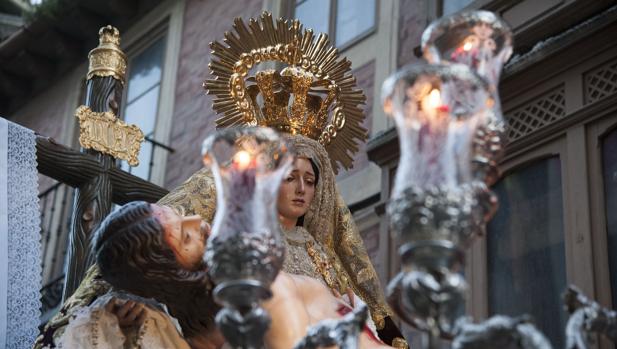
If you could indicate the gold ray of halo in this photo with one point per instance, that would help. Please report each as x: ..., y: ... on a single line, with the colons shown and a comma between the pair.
x: 285, y: 41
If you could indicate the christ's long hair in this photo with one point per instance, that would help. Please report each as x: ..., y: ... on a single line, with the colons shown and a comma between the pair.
x: 132, y: 255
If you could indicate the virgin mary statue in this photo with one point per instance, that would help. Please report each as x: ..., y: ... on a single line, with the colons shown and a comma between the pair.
x: 314, y: 100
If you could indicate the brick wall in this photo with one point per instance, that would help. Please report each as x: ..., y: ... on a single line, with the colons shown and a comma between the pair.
x: 412, y: 21
x: 365, y: 77
x: 47, y: 112
x: 193, y: 119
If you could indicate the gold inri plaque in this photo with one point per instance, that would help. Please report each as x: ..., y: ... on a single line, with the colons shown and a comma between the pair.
x: 105, y: 133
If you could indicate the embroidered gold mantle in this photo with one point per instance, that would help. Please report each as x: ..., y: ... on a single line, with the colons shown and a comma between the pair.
x: 307, y: 257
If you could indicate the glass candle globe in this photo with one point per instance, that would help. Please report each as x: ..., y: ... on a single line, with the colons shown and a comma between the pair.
x: 437, y: 110
x: 245, y: 250
x: 478, y: 39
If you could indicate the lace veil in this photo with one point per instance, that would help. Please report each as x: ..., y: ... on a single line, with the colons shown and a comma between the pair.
x: 331, y: 223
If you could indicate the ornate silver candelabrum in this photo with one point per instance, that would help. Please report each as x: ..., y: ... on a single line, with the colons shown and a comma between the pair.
x: 450, y: 127
x: 437, y: 204
x: 245, y: 250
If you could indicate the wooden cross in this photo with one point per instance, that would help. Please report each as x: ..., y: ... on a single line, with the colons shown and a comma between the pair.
x: 94, y: 173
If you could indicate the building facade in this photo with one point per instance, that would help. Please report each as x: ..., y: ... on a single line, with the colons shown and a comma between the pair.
x: 559, y: 184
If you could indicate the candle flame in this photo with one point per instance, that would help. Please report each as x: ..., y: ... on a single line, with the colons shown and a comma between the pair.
x: 467, y: 46
x: 434, y: 98
x: 242, y: 159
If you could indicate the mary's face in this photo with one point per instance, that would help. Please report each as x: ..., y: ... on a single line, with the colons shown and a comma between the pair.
x: 297, y: 190
x: 186, y: 236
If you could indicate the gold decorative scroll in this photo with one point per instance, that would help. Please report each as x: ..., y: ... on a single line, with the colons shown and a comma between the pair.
x: 105, y: 133
x: 107, y: 59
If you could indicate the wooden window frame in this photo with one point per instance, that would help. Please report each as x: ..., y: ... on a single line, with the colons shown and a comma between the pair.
x: 158, y: 32
x: 596, y: 131
x: 476, y: 268
x: 165, y: 20
x: 578, y: 147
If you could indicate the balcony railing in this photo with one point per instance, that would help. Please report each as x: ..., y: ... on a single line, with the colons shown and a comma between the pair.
x: 51, y: 296
x: 56, y: 205
x: 153, y: 148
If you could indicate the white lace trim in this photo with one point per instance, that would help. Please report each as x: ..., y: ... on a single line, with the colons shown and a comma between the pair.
x: 4, y: 228
x: 24, y: 248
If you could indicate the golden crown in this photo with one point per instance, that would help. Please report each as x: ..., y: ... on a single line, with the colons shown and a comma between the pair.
x: 314, y: 95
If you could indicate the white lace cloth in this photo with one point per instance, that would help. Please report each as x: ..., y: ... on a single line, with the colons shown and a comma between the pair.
x: 95, y: 327
x: 20, y: 249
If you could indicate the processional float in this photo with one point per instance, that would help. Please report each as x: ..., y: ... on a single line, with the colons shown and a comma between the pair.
x: 451, y: 135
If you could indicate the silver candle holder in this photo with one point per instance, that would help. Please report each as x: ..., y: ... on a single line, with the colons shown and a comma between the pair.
x: 438, y: 206
x: 245, y: 250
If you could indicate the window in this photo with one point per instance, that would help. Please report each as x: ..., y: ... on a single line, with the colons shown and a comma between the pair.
x: 609, y: 169
x: 450, y: 6
x: 345, y: 21
x: 142, y: 100
x: 152, y: 46
x: 526, y: 248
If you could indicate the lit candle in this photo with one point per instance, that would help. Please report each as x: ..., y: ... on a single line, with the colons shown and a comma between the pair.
x: 432, y: 105
x: 434, y: 98
x: 242, y: 177
x: 242, y: 160
x: 467, y: 52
